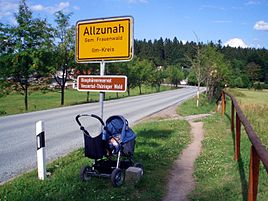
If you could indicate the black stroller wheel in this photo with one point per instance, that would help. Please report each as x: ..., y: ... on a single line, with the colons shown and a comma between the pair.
x: 85, y: 173
x: 117, y: 177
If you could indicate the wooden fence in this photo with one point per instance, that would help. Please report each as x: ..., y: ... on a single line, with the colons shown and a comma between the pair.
x: 258, y: 152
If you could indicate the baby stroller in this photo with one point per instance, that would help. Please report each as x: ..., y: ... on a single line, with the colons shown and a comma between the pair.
x: 112, y: 150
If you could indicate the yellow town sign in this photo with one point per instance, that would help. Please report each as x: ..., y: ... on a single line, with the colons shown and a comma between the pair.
x: 109, y: 39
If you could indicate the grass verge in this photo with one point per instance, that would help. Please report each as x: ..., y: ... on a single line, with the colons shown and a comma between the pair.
x: 158, y: 145
x: 38, y: 100
x: 217, y: 175
x: 189, y: 107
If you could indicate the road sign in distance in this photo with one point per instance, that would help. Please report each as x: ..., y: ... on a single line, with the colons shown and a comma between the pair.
x: 109, y: 39
x: 102, y: 83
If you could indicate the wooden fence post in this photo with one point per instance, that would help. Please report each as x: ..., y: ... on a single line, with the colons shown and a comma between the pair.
x: 254, y: 169
x: 232, y: 117
x: 237, y: 137
x: 222, y: 103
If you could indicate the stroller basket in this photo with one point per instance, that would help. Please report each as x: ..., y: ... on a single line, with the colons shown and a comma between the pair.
x: 94, y: 147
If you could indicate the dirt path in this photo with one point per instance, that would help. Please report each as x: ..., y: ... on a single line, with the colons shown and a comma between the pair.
x: 181, y: 181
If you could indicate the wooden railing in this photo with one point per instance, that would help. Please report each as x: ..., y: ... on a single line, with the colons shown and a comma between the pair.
x: 258, y: 151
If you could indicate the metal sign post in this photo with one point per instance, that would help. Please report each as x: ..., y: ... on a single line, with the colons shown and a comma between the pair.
x: 104, y: 40
x: 102, y: 94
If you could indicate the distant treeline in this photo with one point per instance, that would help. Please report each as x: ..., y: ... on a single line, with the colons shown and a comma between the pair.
x: 247, y: 65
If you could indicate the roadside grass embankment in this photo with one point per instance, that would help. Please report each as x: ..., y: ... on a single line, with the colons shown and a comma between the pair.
x: 158, y: 145
x: 42, y: 100
x: 218, y: 176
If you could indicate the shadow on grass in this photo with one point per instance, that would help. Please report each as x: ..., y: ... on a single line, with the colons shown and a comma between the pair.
x: 233, y: 132
x: 240, y: 162
x: 154, y: 134
x: 244, y: 184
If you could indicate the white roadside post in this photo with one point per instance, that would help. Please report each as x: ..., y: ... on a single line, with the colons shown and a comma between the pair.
x: 40, y: 142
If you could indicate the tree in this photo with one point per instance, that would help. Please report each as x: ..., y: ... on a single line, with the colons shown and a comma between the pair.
x: 217, y: 70
x: 6, y: 49
x: 85, y: 69
x: 253, y: 71
x: 199, y: 69
x: 175, y: 75
x: 139, y: 72
x: 64, y: 52
x: 31, y: 38
x: 157, y: 77
x: 158, y: 52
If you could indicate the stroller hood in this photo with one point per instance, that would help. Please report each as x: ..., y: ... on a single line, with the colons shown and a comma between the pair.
x: 117, y: 126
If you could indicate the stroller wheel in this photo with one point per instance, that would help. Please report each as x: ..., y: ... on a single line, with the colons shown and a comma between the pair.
x: 117, y: 177
x: 85, y: 173
x: 139, y: 165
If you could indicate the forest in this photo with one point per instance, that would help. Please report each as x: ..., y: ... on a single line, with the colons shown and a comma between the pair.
x: 33, y: 51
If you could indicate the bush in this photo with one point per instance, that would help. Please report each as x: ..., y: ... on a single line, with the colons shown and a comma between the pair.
x: 2, y: 112
x: 257, y: 86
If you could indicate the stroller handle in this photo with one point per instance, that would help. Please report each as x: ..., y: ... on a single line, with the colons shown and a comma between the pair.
x: 87, y: 115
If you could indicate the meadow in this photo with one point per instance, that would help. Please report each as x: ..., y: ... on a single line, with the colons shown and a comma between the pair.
x: 255, y: 106
x: 47, y: 99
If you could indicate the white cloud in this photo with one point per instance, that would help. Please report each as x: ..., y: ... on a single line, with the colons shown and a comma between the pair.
x: 236, y: 42
x: 7, y: 8
x: 184, y: 42
x: 256, y: 43
x: 38, y: 7
x: 51, y: 9
x: 261, y: 26
x: 76, y: 8
x: 62, y: 5
x: 253, y: 2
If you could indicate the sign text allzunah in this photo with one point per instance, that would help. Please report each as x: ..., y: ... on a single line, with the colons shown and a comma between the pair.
x: 104, y: 40
x: 93, y: 30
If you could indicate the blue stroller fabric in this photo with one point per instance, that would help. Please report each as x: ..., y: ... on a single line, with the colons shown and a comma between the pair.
x: 117, y: 126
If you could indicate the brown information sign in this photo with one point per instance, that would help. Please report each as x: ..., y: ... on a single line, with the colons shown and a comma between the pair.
x: 102, y: 83
x: 109, y: 39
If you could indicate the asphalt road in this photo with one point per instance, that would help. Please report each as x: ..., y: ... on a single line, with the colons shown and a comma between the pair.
x: 17, y: 132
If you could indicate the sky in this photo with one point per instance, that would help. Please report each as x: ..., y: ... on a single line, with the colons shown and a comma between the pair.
x: 236, y: 23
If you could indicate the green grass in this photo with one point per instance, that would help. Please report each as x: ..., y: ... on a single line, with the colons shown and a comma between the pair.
x: 218, y: 176
x: 158, y: 145
x: 189, y: 107
x: 255, y: 106
x: 14, y: 103
x: 251, y: 96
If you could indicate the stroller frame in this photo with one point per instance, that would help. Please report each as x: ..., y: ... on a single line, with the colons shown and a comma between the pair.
x: 107, y: 163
